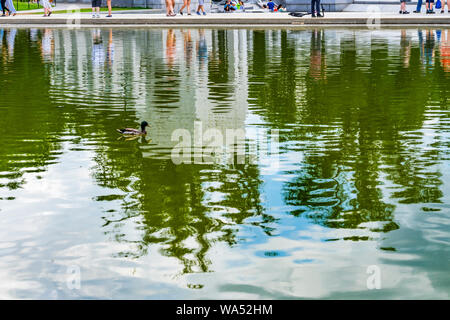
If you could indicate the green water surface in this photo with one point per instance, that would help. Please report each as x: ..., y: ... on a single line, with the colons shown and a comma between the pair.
x: 346, y: 169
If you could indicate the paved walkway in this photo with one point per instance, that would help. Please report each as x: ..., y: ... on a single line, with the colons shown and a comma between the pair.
x: 228, y: 19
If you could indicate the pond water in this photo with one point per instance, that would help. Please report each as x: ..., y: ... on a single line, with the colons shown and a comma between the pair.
x: 337, y: 179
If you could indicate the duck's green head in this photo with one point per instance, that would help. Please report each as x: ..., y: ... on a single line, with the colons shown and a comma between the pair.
x: 144, y: 124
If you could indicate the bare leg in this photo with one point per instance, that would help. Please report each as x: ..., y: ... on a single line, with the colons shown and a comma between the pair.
x: 184, y: 6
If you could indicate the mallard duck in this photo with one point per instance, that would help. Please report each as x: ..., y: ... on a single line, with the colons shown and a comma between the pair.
x: 134, y: 132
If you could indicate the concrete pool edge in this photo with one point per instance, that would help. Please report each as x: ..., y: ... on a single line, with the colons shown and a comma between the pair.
x: 224, y: 20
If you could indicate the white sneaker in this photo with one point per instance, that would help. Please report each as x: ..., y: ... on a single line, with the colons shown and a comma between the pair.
x: 93, y: 16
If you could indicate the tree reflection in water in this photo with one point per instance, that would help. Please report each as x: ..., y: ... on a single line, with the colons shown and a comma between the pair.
x: 354, y: 111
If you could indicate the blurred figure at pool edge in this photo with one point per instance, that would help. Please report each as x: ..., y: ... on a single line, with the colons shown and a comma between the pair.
x: 229, y: 6
x: 443, y: 6
x: 200, y: 7
x: 315, y: 9
x: 187, y: 5
x: 108, y: 3
x: 47, y: 8
x: 10, y: 7
x: 429, y: 6
x: 96, y: 8
x: 170, y: 5
x: 3, y: 3
x: 403, y: 7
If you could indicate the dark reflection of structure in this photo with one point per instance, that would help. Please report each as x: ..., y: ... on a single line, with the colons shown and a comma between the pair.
x: 167, y: 75
x: 170, y: 199
x: 272, y: 81
x: 25, y: 84
x: 220, y: 88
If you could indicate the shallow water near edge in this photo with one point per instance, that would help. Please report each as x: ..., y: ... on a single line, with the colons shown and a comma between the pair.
x: 346, y: 170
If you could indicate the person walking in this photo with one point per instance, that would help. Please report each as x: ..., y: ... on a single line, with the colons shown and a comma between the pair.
x: 10, y: 6
x: 96, y: 7
x: 403, y: 7
x: 271, y: 5
x: 170, y: 6
x: 200, y: 7
x: 443, y: 6
x: 315, y: 4
x: 187, y: 5
x: 4, y: 8
x: 429, y: 5
x: 47, y: 8
x: 108, y: 3
x: 419, y: 6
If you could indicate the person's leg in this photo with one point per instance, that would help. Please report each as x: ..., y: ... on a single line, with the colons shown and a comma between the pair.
x: 315, y: 8
x: 4, y: 7
x: 188, y: 6
x: 419, y: 6
x: 167, y: 7
x: 11, y: 7
x: 183, y: 6
x: 108, y: 2
x: 93, y: 8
